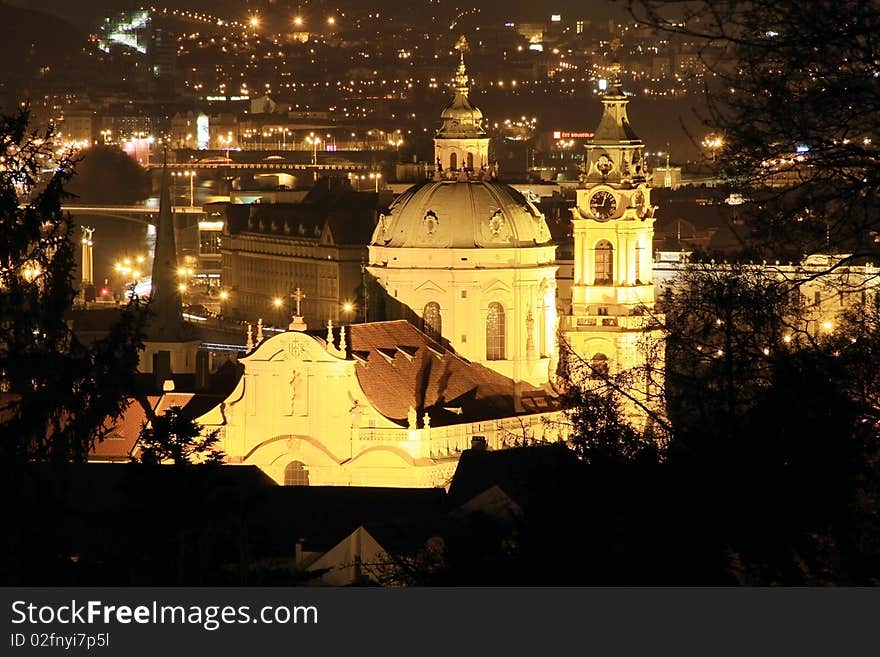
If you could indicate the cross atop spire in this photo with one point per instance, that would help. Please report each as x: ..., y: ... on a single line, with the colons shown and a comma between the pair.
x: 461, y: 77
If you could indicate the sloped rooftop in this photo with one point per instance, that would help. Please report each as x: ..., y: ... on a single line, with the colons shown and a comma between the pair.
x: 404, y: 367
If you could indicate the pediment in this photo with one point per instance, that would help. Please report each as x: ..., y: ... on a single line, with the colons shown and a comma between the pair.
x: 326, y: 238
x: 288, y: 346
x: 497, y: 285
x: 430, y: 286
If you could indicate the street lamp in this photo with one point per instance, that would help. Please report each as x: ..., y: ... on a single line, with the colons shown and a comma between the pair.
x: 191, y: 175
x: 375, y: 178
x: 225, y: 143
x: 314, y: 141
x: 714, y: 143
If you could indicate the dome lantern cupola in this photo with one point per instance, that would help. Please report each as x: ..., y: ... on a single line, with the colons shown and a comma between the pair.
x: 461, y: 145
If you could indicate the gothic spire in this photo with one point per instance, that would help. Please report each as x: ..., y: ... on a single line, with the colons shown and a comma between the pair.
x: 166, y: 323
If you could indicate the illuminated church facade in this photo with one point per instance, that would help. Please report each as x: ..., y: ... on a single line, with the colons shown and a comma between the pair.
x: 393, y: 403
x: 613, y: 326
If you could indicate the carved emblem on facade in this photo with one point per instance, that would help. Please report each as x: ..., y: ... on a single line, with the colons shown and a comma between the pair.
x: 497, y: 226
x: 296, y: 349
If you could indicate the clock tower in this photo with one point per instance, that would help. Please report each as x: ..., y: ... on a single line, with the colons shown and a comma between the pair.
x: 612, y: 299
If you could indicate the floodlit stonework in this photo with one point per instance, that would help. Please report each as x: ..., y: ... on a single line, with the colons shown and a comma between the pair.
x: 471, y: 257
x: 613, y: 325
x: 377, y: 405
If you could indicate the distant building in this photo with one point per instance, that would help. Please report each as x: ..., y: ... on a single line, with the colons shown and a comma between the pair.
x: 667, y: 176
x: 317, y: 246
x: 826, y: 287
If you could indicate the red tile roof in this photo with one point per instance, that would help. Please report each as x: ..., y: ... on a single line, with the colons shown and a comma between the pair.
x: 120, y: 442
x: 407, y: 368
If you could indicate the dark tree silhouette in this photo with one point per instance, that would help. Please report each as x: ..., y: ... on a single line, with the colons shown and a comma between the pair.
x: 175, y: 437
x: 105, y: 174
x: 794, y: 96
x: 58, y: 395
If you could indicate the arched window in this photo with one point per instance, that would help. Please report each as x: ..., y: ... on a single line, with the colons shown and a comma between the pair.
x: 453, y: 161
x: 295, y: 474
x: 470, y: 161
x: 604, y: 263
x: 432, y: 323
x: 599, y: 365
x: 495, y: 332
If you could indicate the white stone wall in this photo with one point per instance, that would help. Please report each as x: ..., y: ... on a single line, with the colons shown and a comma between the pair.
x: 519, y: 279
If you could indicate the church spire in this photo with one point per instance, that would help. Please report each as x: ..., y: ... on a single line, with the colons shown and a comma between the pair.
x: 461, y: 77
x: 461, y: 145
x: 614, y: 155
x: 166, y: 323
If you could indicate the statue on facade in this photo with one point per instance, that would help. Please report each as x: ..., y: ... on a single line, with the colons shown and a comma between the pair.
x: 412, y: 418
x: 530, y: 335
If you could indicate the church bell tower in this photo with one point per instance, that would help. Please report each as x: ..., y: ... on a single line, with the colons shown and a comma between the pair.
x: 612, y: 309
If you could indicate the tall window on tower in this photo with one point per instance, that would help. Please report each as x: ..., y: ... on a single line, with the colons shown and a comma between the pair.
x: 470, y: 161
x: 432, y: 323
x: 453, y: 161
x: 638, y: 264
x: 604, y: 263
x: 495, y: 332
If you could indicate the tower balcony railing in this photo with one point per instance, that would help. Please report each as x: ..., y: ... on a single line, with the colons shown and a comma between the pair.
x: 609, y: 322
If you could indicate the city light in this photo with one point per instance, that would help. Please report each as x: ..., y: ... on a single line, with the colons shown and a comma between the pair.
x: 713, y: 143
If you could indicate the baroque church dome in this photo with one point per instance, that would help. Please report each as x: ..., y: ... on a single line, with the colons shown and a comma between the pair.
x: 461, y: 119
x: 461, y: 215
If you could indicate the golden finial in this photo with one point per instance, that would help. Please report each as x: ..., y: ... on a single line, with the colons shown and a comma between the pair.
x: 461, y: 77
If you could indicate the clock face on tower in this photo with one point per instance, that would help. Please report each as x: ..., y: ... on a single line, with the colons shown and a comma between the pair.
x: 603, y: 204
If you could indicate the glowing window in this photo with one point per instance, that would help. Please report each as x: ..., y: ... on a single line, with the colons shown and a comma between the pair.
x: 604, y: 262
x: 495, y: 332
x: 295, y: 474
x: 432, y: 322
